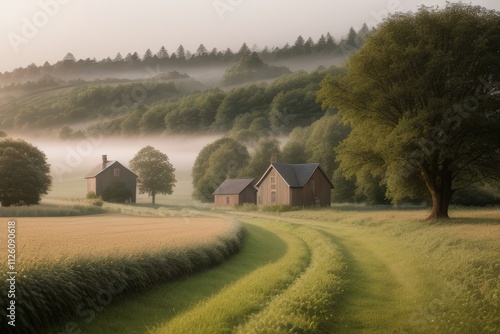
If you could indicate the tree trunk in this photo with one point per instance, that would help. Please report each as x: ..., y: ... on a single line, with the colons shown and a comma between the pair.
x: 153, y: 196
x: 440, y: 204
x: 439, y: 186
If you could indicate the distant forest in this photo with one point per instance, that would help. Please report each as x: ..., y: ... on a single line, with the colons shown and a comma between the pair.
x: 69, y: 68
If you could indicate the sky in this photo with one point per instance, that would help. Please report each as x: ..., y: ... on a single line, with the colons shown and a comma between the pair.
x: 35, y: 31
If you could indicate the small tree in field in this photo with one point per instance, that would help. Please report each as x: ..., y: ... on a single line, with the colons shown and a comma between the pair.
x: 156, y: 173
x: 24, y: 173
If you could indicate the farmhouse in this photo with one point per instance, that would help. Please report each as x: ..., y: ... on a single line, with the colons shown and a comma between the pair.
x: 108, y: 172
x: 235, y: 191
x: 295, y: 185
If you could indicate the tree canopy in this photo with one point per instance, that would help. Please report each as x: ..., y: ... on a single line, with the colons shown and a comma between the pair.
x: 224, y: 158
x: 422, y: 99
x: 156, y: 173
x: 24, y: 173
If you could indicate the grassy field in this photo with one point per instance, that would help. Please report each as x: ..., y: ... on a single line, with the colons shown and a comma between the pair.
x: 334, y: 270
x: 65, y: 267
x: 52, y: 208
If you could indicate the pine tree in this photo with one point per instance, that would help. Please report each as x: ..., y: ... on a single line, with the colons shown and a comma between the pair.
x: 162, y: 53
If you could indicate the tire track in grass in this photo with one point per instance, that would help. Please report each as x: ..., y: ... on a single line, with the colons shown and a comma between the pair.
x: 389, y: 283
x: 250, y: 294
x: 311, y: 301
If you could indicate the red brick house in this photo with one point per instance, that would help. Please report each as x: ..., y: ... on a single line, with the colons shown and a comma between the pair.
x: 294, y: 185
x: 235, y: 191
x: 108, y: 172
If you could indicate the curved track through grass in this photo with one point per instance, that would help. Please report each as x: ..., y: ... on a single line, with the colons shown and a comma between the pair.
x: 303, y: 273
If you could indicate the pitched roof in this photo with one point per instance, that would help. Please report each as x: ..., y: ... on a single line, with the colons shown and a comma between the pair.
x: 233, y: 186
x: 100, y: 168
x: 295, y: 175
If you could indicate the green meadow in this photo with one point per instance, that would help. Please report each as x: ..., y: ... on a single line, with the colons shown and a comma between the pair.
x: 336, y: 270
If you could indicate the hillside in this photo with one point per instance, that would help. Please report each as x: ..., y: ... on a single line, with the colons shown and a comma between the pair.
x: 170, y: 103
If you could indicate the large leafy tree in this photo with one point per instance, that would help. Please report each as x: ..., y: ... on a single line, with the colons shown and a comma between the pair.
x: 422, y: 99
x: 24, y: 173
x: 156, y: 173
x: 224, y: 158
x: 266, y: 150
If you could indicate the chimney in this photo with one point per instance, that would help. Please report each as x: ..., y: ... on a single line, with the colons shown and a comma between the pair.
x: 104, y: 161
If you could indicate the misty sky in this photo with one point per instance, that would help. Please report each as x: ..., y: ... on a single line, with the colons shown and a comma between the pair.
x: 33, y: 31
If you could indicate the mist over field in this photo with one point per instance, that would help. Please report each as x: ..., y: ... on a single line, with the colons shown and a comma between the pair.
x: 72, y: 160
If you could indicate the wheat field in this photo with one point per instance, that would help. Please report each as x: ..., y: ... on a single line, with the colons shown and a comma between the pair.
x: 57, y: 238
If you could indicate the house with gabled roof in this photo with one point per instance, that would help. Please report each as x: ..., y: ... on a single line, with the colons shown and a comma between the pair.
x: 294, y: 185
x: 235, y: 191
x: 108, y: 172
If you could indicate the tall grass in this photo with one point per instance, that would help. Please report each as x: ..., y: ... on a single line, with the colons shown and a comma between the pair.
x: 248, y: 295
x: 309, y: 304
x: 297, y: 294
x: 50, y: 211
x: 67, y: 290
x: 460, y: 292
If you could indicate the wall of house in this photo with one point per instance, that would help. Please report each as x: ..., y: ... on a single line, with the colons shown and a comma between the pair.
x: 248, y: 195
x: 106, y: 177
x: 91, y: 185
x: 315, y: 192
x: 225, y: 200
x: 281, y: 190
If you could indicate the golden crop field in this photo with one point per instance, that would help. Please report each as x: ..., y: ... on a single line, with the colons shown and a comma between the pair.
x: 55, y: 238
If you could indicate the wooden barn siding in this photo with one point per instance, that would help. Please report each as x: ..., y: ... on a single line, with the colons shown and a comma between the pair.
x: 248, y: 195
x: 305, y: 196
x: 282, y: 190
x: 220, y: 200
x: 106, y: 177
x: 91, y: 185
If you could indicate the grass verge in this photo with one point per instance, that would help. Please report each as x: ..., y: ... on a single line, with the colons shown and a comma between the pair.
x: 248, y: 295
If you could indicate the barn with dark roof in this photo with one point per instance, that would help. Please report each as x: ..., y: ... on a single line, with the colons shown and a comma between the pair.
x: 109, y: 172
x: 295, y: 185
x: 235, y: 191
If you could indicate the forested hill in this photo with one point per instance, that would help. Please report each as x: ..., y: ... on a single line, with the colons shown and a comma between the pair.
x: 149, y: 107
x: 133, y: 66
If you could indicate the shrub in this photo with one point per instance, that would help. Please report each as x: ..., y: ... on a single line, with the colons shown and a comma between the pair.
x: 246, y: 207
x: 280, y: 208
x: 93, y: 199
x: 91, y: 195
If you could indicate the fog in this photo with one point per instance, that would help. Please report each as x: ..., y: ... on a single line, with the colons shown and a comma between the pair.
x: 73, y: 159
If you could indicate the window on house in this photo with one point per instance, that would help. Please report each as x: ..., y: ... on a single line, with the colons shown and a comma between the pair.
x: 227, y: 200
x: 273, y: 182
x: 117, y: 172
x: 273, y: 197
